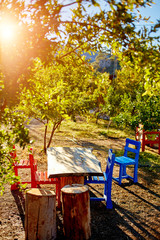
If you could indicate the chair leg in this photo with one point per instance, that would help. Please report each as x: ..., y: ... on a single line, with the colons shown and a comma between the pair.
x: 107, y: 195
x: 120, y: 173
x: 33, y: 179
x: 135, y: 179
x: 124, y: 171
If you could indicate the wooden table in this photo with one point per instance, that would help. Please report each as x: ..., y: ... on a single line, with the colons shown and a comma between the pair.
x: 72, y: 164
x: 71, y: 161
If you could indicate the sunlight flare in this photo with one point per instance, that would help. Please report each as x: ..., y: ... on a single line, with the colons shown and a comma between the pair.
x: 7, y: 30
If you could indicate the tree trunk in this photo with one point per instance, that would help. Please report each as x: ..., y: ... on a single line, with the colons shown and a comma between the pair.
x: 45, y: 137
x: 76, y: 212
x: 56, y: 125
x: 40, y: 215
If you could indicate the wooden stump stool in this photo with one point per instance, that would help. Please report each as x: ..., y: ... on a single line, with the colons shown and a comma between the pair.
x: 76, y: 212
x: 40, y: 215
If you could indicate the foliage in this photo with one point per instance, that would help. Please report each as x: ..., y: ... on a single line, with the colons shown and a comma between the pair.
x: 141, y: 109
x: 143, y: 57
x: 43, y: 29
x: 148, y: 112
x: 136, y: 88
x: 57, y: 92
x: 12, y: 131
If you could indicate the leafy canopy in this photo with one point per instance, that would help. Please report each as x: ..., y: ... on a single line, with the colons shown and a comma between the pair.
x: 43, y: 31
x: 57, y: 92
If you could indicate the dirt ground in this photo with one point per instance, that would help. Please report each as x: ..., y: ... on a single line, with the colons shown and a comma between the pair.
x: 136, y: 207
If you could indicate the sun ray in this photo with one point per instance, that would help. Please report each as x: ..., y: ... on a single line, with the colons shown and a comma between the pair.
x: 7, y: 30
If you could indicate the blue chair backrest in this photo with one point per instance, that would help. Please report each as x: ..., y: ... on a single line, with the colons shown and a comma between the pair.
x: 136, y: 148
x: 110, y: 164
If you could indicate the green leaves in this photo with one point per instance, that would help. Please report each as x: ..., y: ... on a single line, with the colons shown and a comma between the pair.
x: 12, y: 131
x: 61, y: 84
x: 59, y: 91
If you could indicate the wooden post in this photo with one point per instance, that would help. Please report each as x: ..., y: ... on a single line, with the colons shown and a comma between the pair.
x: 40, y: 215
x: 76, y: 212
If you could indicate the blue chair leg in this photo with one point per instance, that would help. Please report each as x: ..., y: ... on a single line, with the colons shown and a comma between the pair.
x: 120, y: 173
x: 135, y: 179
x: 124, y: 170
x: 107, y: 195
x: 105, y: 192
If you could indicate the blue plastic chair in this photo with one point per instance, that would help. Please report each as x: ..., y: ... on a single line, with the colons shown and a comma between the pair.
x: 123, y: 161
x: 106, y: 179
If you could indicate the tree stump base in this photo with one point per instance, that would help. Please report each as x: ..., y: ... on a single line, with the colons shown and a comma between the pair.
x: 76, y: 212
x: 40, y: 215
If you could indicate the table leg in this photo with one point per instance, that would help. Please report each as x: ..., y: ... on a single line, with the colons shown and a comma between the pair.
x: 71, y: 180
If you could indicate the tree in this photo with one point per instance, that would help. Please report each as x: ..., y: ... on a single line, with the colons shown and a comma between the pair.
x: 42, y: 31
x: 57, y: 92
x: 143, y: 57
x: 136, y: 88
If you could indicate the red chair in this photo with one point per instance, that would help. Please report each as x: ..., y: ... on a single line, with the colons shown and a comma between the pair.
x: 42, y: 178
x: 37, y: 178
x: 29, y: 163
x: 154, y: 139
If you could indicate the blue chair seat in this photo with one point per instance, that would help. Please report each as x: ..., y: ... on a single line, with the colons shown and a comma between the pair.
x: 106, y: 179
x: 124, y: 160
x: 133, y: 147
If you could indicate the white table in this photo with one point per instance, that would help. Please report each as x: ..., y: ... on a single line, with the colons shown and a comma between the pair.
x: 71, y: 161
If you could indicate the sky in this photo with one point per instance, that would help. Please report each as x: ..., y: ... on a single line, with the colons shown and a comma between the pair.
x: 153, y: 12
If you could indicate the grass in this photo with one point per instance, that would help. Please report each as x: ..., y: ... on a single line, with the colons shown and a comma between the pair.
x: 89, y: 129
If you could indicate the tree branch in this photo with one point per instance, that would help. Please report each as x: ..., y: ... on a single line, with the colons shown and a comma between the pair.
x: 68, y: 53
x: 86, y: 24
x: 55, y: 126
x: 69, y: 4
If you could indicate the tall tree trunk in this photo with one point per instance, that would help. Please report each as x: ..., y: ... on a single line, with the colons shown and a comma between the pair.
x: 56, y: 125
x: 45, y: 137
